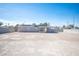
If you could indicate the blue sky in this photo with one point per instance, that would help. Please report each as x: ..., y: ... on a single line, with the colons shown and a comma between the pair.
x: 55, y: 14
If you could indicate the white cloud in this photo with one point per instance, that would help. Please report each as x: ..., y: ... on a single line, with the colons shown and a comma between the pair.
x: 5, y: 22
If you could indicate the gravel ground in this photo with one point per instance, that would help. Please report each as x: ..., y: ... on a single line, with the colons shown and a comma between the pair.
x: 39, y: 44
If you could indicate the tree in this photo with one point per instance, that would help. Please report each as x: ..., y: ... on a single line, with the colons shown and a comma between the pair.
x: 34, y: 24
x: 70, y: 26
x: 1, y: 23
x: 40, y: 24
x: 64, y: 26
x: 44, y: 24
x: 76, y: 27
x: 16, y: 27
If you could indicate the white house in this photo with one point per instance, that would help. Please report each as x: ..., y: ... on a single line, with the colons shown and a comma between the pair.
x: 27, y: 28
x: 52, y: 29
x: 44, y: 29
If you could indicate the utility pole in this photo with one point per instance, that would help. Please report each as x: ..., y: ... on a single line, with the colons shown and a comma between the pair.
x: 67, y: 23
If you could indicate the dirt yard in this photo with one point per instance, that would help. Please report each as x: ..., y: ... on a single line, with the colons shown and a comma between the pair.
x: 39, y: 44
